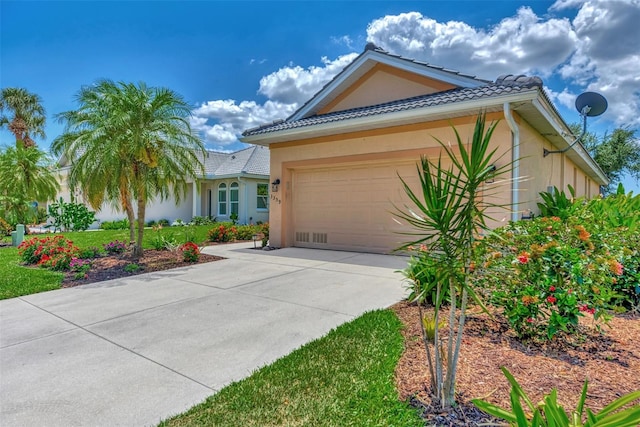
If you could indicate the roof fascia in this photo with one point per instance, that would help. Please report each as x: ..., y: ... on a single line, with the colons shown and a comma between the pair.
x: 383, y: 58
x: 236, y: 175
x: 561, y: 127
x: 385, y: 120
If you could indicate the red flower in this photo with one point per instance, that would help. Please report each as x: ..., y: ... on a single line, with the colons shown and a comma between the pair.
x: 523, y: 258
x: 551, y: 299
x: 530, y: 320
x: 552, y: 289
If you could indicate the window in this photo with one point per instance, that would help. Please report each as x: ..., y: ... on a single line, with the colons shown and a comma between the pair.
x: 222, y: 199
x: 263, y: 197
x: 234, y: 197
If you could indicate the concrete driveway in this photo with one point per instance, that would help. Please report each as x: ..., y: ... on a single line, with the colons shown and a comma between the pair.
x: 135, y: 351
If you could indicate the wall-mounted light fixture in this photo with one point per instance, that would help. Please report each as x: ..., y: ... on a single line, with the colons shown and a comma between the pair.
x: 588, y: 104
x: 491, y: 177
x: 274, y: 185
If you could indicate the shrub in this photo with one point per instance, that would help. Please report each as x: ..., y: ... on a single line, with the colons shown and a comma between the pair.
x: 246, y: 232
x: 122, y: 224
x: 54, y: 253
x: 90, y: 252
x: 70, y: 216
x: 264, y: 229
x: 202, y: 220
x: 80, y: 265
x: 423, y: 282
x: 557, y: 203
x: 132, y: 268
x: 115, y: 247
x: 151, y: 223
x: 5, y: 228
x: 225, y: 232
x: 164, y: 222
x: 190, y: 252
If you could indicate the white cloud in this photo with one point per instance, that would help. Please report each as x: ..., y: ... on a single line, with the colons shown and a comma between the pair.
x: 522, y: 40
x: 343, y: 40
x: 223, y: 121
x: 294, y: 84
x: 596, y: 50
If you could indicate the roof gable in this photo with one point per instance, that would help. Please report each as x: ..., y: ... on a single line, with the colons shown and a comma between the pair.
x: 372, y: 61
x: 253, y: 160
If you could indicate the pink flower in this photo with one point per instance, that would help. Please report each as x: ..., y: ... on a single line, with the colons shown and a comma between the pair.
x: 551, y: 299
x: 530, y: 320
x: 552, y: 289
x: 616, y: 268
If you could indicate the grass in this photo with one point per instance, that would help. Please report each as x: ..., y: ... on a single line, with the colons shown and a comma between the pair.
x: 17, y: 280
x: 342, y: 379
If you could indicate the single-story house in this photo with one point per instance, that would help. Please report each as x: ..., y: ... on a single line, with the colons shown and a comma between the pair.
x: 335, y: 162
x: 233, y: 183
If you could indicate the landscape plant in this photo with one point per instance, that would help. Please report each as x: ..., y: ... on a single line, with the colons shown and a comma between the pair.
x: 448, y: 215
x: 190, y: 252
x: 54, y: 253
x: 222, y: 232
x: 23, y: 114
x: 549, y: 413
x: 116, y: 247
x: 116, y: 224
x: 69, y: 216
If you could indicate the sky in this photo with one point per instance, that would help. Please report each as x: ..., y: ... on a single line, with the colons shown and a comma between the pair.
x: 241, y: 64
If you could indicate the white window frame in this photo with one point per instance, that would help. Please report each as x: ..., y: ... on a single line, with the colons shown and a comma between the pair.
x: 264, y: 197
x: 222, y: 191
x: 234, y: 186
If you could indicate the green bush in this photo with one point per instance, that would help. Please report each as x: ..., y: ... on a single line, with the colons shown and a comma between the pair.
x: 557, y: 203
x: 422, y: 280
x: 70, y: 216
x: 202, y: 220
x: 90, y: 252
x: 164, y: 222
x: 150, y: 223
x: 122, y: 224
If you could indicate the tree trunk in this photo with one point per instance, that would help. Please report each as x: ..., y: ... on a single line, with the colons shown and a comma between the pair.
x: 142, y: 205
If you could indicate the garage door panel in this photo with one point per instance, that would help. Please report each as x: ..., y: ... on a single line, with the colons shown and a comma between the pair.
x: 351, y: 208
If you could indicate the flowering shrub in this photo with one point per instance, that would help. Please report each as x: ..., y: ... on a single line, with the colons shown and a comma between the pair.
x: 546, y: 273
x: 115, y: 247
x: 190, y: 252
x: 224, y: 232
x: 54, y: 253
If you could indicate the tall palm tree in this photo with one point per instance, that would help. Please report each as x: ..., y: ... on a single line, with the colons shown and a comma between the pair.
x: 128, y: 144
x: 27, y: 176
x: 25, y: 115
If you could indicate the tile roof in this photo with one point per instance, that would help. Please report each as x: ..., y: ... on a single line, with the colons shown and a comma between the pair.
x: 504, y: 85
x: 253, y: 160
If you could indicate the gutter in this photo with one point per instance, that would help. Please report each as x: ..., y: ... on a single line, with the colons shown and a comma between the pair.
x: 515, y: 159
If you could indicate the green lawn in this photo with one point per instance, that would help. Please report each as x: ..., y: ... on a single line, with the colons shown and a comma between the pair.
x: 343, y: 379
x: 16, y: 280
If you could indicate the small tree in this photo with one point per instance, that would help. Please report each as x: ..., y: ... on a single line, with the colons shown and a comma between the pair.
x: 448, y: 215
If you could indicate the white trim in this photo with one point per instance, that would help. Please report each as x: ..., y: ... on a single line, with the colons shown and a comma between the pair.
x: 226, y: 201
x: 379, y: 57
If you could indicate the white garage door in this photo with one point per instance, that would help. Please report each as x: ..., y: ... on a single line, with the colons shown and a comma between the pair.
x: 350, y: 207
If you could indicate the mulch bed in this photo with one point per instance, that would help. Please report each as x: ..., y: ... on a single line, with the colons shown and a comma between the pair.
x: 113, y: 266
x: 611, y: 362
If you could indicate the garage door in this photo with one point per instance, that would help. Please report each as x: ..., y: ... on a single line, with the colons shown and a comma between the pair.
x: 350, y: 207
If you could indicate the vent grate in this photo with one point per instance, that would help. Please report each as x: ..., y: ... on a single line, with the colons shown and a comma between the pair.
x: 319, y: 237
x: 302, y: 236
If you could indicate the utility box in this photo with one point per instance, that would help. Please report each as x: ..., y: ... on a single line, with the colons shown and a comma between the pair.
x: 17, y: 236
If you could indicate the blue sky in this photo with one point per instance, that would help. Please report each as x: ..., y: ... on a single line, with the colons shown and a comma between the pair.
x: 241, y: 64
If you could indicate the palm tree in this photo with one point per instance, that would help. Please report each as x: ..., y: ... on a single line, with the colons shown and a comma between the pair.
x: 28, y: 116
x: 128, y: 144
x: 27, y: 176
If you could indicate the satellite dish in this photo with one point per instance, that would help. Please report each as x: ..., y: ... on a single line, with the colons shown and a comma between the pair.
x: 591, y: 104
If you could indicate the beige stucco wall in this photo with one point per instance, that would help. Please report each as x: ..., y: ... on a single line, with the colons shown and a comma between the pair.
x: 402, y: 144
x: 384, y: 85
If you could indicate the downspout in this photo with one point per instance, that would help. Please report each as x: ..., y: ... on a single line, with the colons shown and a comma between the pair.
x: 515, y: 161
